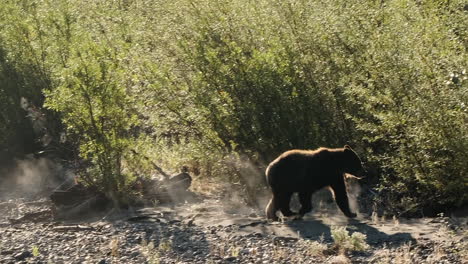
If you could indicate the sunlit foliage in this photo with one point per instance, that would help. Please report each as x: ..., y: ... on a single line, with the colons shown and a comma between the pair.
x: 201, y: 82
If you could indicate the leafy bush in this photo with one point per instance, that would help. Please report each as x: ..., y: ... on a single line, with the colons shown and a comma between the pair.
x: 218, y: 84
x: 343, y: 241
x: 412, y: 106
x: 96, y: 105
x: 19, y: 78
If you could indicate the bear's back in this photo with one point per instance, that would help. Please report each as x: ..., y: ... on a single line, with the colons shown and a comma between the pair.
x: 297, y: 166
x: 304, y: 155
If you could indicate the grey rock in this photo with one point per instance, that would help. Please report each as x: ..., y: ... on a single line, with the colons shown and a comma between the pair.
x: 229, y: 258
x: 23, y: 255
x: 7, y: 260
x: 6, y: 252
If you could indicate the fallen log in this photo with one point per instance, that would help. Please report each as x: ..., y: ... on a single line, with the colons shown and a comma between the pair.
x: 173, y: 189
x: 34, y: 217
x: 78, y: 194
x: 80, y: 199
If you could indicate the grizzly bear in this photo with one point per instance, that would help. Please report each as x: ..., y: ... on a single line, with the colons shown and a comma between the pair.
x: 306, y: 171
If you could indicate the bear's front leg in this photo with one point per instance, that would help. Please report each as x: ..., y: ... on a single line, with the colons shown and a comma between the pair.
x: 271, y: 209
x: 341, y: 198
x: 305, y: 198
x: 283, y: 202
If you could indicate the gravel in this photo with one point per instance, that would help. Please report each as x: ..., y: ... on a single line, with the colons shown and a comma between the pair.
x: 165, y: 238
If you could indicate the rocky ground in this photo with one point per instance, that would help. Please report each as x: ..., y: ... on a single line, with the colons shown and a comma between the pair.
x: 210, y: 230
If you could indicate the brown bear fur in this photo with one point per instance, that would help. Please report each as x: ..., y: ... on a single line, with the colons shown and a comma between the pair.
x: 306, y: 171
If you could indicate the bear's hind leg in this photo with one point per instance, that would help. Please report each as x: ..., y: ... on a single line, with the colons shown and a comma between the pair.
x: 341, y: 198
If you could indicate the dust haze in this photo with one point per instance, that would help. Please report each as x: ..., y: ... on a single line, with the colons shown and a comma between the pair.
x: 32, y: 176
x: 245, y: 190
x: 354, y: 190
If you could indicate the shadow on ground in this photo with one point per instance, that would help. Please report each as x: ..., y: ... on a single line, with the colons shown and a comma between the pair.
x: 316, y: 226
x: 316, y: 229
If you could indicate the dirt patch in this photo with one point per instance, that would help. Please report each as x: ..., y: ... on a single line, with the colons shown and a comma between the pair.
x: 211, y: 230
x: 211, y: 213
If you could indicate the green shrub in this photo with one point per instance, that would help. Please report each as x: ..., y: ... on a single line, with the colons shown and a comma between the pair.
x: 218, y: 84
x: 96, y: 105
x: 343, y: 241
x: 412, y: 106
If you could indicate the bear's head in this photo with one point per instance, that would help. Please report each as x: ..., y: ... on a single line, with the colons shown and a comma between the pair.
x: 352, y: 162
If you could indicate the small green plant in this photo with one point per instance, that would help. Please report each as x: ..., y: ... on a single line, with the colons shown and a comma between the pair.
x: 153, y: 257
x: 438, y: 254
x: 279, y: 253
x: 383, y: 219
x: 375, y: 218
x: 148, y: 250
x: 358, y: 241
x: 114, y: 247
x: 235, y: 251
x: 316, y: 248
x: 404, y: 254
x: 165, y: 245
x: 344, y: 242
x: 35, y: 251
